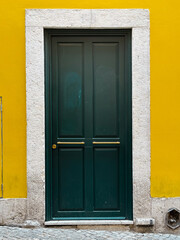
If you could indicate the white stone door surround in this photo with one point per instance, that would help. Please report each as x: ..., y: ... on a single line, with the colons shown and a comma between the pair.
x: 36, y: 21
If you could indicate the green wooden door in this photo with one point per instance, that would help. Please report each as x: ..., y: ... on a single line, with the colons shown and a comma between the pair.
x: 88, y: 118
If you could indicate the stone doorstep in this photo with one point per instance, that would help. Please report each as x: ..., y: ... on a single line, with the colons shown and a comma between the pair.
x: 88, y: 222
x: 138, y: 222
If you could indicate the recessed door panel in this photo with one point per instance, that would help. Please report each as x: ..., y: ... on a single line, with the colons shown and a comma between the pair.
x: 106, y: 178
x: 71, y: 179
x: 70, y: 88
x: 106, y: 75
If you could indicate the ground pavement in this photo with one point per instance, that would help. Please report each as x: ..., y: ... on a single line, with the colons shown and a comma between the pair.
x: 11, y: 233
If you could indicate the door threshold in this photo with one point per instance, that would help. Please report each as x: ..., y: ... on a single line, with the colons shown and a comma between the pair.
x: 88, y: 222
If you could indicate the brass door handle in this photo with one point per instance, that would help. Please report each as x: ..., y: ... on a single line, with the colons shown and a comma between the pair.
x: 70, y: 143
x: 106, y: 142
x: 54, y: 146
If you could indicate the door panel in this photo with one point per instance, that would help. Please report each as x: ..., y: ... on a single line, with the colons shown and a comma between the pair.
x: 71, y: 173
x: 70, y: 88
x: 106, y: 179
x: 105, y: 69
x: 88, y: 118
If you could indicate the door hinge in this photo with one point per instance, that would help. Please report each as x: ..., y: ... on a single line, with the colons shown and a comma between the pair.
x: 2, y: 187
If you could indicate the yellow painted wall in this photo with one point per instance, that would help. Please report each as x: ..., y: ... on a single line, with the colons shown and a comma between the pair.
x: 165, y: 88
x: 1, y: 147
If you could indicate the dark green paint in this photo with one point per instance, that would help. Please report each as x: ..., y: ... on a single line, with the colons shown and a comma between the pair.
x: 106, y: 71
x: 88, y: 98
x: 71, y: 179
x: 70, y: 89
x: 106, y: 178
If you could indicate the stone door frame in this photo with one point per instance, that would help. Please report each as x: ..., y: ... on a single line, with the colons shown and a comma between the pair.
x: 36, y: 21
